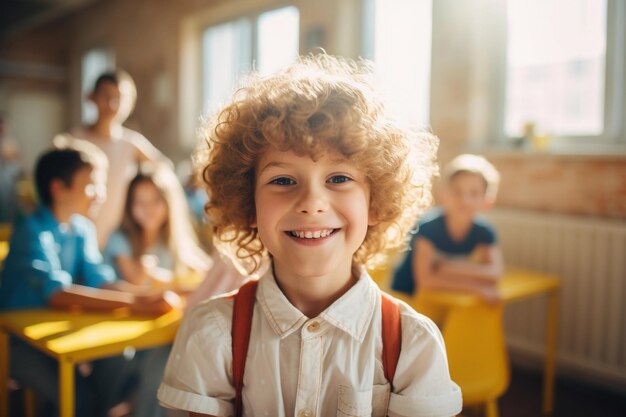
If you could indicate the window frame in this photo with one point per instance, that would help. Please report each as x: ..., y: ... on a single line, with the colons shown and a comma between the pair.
x: 253, y: 19
x: 368, y: 48
x: 614, y: 129
x: 192, y: 29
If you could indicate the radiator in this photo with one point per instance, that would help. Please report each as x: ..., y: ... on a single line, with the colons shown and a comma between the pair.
x: 589, y: 254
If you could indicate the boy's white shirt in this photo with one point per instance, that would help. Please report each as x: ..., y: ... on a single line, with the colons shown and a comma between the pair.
x: 326, y: 366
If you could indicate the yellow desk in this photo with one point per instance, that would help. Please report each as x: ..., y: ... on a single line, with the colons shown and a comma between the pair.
x: 71, y: 338
x: 516, y: 284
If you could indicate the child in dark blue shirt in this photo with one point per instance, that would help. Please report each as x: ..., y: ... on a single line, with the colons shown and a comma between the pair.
x: 455, y: 248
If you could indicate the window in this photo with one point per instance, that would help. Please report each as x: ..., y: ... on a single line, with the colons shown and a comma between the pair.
x: 226, y: 53
x: 398, y: 38
x: 277, y: 39
x: 94, y: 62
x: 556, y: 67
x: 267, y: 42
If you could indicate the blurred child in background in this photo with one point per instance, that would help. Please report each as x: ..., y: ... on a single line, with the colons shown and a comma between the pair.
x: 155, y: 244
x: 455, y: 248
x: 54, y: 261
x: 114, y: 95
x: 155, y: 247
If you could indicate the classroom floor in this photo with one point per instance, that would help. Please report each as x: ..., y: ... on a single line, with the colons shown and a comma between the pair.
x: 572, y: 399
x: 523, y: 399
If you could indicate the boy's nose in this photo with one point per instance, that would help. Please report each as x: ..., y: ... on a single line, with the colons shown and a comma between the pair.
x: 312, y: 200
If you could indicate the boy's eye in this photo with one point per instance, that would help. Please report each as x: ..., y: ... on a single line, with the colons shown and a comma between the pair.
x: 338, y: 179
x: 282, y: 181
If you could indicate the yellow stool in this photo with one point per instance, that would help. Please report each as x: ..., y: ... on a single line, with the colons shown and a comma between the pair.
x: 477, y: 356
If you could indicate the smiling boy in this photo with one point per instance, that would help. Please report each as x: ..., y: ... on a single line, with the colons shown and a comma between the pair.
x: 306, y: 170
x: 309, y: 211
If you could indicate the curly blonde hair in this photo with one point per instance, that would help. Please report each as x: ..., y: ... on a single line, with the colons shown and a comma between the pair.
x: 320, y: 102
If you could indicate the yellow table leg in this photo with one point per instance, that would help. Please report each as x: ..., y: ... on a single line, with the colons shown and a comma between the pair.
x: 550, y: 364
x: 66, y: 387
x: 4, y: 374
x: 29, y: 403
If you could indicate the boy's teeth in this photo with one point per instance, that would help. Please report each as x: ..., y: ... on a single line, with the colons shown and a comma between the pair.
x: 312, y: 235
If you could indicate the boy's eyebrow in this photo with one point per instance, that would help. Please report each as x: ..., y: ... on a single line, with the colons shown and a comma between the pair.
x: 340, y: 161
x: 277, y: 164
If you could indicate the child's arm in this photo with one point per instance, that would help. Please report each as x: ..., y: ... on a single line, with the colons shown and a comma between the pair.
x: 131, y: 270
x: 422, y: 384
x: 431, y: 276
x: 97, y: 299
x: 198, y: 375
x: 137, y: 272
x: 37, y: 254
x: 146, y: 151
x: 489, y: 267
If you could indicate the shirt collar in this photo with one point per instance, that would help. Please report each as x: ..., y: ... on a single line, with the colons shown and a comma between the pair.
x: 352, y: 312
x: 47, y: 217
x: 52, y: 223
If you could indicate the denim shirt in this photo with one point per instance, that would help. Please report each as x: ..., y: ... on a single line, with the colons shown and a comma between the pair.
x: 46, y: 256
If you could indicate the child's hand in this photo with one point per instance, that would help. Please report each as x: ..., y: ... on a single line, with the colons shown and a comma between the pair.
x: 156, y: 304
x: 490, y: 294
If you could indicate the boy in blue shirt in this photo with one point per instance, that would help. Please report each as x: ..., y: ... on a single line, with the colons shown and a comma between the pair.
x: 54, y: 261
x: 454, y: 247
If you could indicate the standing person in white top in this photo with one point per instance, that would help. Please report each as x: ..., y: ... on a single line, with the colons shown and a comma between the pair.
x: 114, y: 95
x: 307, y: 170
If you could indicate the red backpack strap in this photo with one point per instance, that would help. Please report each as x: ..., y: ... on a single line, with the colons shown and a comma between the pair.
x: 392, y: 335
x: 243, y: 307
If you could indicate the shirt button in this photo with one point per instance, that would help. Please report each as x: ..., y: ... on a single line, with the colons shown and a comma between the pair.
x: 305, y: 412
x: 313, y: 327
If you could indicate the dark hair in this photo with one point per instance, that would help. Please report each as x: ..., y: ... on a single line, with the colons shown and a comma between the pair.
x: 110, y: 77
x: 59, y: 164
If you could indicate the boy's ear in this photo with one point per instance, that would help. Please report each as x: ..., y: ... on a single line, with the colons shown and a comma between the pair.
x: 489, y: 203
x: 56, y: 187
